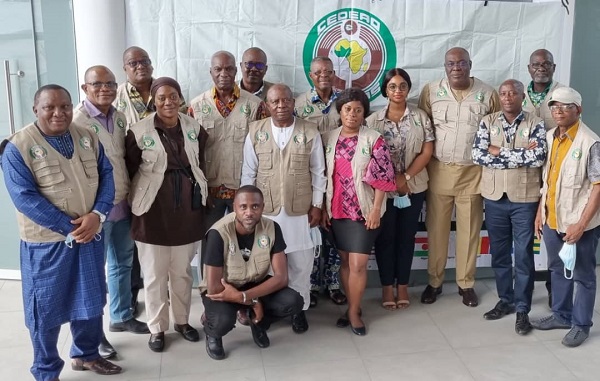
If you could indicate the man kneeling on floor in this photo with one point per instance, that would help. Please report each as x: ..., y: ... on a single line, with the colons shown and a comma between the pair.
x: 245, y: 267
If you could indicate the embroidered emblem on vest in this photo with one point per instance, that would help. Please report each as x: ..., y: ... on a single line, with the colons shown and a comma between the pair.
x: 245, y: 109
x: 263, y: 241
x: 121, y: 124
x: 524, y: 103
x: 328, y: 149
x: 85, y: 143
x: 231, y: 249
x: 418, y: 123
x: 576, y: 154
x: 442, y: 92
x: 300, y: 138
x: 479, y: 97
x: 95, y: 127
x: 192, y: 136
x: 495, y: 130
x: 38, y: 152
x: 122, y: 105
x: 366, y: 150
x: 147, y: 142
x: 308, y: 109
x: 524, y: 133
x: 261, y: 136
x: 206, y: 109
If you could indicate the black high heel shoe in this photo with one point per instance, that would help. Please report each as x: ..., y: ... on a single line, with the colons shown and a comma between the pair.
x: 344, y: 321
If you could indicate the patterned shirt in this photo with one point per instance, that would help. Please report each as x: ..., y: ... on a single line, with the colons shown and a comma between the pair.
x: 395, y: 136
x: 142, y: 108
x: 510, y: 157
x: 537, y: 98
x: 321, y: 105
x: 226, y: 108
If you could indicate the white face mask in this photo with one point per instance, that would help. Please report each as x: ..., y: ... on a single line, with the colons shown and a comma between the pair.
x: 568, y: 254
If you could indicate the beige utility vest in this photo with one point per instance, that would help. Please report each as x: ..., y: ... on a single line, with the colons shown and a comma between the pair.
x: 69, y: 184
x: 236, y: 270
x: 113, y: 144
x: 520, y: 184
x: 123, y: 104
x: 151, y: 173
x: 305, y: 109
x: 573, y: 188
x: 456, y: 123
x: 414, y: 142
x: 365, y: 193
x: 224, y: 152
x: 284, y: 174
x: 543, y: 110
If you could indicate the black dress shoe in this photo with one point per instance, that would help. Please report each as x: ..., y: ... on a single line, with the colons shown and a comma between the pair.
x: 501, y: 309
x: 523, y: 326
x: 469, y: 297
x: 314, y: 299
x: 260, y: 336
x: 299, y: 323
x: 132, y: 325
x: 344, y: 321
x: 429, y: 295
x: 359, y: 331
x: 188, y: 332
x: 156, y: 343
x: 337, y: 297
x: 105, y: 349
x: 214, y: 348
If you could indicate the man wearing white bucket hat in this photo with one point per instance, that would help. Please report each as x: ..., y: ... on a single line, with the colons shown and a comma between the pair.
x: 568, y: 215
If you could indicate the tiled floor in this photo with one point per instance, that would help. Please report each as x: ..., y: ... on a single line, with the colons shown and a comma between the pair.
x: 443, y: 341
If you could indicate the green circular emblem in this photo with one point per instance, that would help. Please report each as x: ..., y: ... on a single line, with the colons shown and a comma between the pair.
x: 300, y: 138
x: 147, y: 142
x: 328, y: 149
x: 206, y: 109
x: 263, y: 241
x: 479, y: 96
x: 366, y: 151
x: 245, y: 109
x: 85, y: 143
x: 38, y: 152
x: 261, y: 136
x: 192, y: 135
x: 360, y: 45
x: 442, y: 92
x: 495, y: 131
x: 576, y: 154
x: 121, y: 105
x: 121, y: 124
x: 524, y: 133
x: 95, y: 127
x: 307, y: 110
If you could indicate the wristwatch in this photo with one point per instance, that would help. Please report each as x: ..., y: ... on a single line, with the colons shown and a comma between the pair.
x: 407, y: 176
x: 318, y: 206
x: 100, y: 215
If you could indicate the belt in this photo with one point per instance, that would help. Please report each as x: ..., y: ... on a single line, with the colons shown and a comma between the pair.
x: 222, y: 192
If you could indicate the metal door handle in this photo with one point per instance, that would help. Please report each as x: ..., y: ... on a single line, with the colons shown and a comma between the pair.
x: 9, y: 101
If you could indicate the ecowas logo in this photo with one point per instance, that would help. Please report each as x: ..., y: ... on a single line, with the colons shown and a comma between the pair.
x: 358, y: 43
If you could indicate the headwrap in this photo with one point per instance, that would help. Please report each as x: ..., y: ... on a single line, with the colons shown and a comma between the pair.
x: 164, y: 81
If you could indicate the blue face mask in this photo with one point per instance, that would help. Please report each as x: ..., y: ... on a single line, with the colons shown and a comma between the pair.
x: 568, y: 254
x: 401, y: 202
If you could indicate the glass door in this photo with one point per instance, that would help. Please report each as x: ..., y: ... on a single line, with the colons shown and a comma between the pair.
x: 18, y: 83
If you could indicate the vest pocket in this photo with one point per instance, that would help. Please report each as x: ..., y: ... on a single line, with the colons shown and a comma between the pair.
x: 261, y: 266
x: 91, y: 170
x: 263, y: 183
x: 299, y: 163
x: 440, y: 115
x: 476, y: 113
x: 487, y: 182
x: 302, y: 195
x: 264, y: 161
x: 236, y: 273
x: 48, y: 173
x: 240, y: 130
x: 149, y: 159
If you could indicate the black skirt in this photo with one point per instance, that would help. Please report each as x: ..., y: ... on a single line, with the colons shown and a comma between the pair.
x: 353, y: 236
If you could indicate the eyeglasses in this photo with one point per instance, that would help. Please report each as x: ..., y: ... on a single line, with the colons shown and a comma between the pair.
x: 392, y: 88
x: 326, y: 73
x: 562, y: 108
x: 537, y: 65
x: 144, y: 62
x: 260, y: 66
x: 275, y: 102
x: 228, y: 69
x: 461, y: 64
x: 98, y: 85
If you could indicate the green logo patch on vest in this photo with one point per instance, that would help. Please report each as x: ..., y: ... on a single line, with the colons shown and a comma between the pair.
x: 576, y: 154
x: 232, y: 249
x: 524, y: 133
x: 261, y: 136
x: 307, y: 110
x: 366, y: 150
x: 300, y: 138
x: 479, y: 96
x: 192, y: 136
x: 120, y: 124
x: 328, y: 149
x: 206, y: 109
x: 524, y: 103
x: 147, y: 142
x: 442, y: 92
x: 263, y: 241
x: 85, y: 143
x: 38, y: 152
x: 245, y: 109
x: 495, y: 130
x: 122, y: 105
x: 95, y: 127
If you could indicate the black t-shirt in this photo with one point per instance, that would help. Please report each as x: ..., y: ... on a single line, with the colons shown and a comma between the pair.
x: 215, y: 246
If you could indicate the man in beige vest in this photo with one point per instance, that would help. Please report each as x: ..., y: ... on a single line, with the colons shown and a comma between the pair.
x: 245, y: 267
x: 284, y: 159
x: 569, y: 218
x: 225, y: 111
x: 456, y: 104
x: 254, y: 67
x: 98, y: 114
x: 62, y: 261
x: 511, y: 147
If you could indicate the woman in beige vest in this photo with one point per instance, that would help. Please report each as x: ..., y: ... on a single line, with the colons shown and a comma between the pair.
x: 407, y: 131
x: 359, y: 172
x: 164, y: 155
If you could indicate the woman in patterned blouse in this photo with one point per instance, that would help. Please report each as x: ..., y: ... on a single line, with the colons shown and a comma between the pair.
x: 408, y: 133
x: 359, y: 172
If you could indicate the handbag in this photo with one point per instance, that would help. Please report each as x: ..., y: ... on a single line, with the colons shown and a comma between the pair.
x: 196, y: 191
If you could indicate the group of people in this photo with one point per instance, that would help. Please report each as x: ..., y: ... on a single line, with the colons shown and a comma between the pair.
x: 135, y: 173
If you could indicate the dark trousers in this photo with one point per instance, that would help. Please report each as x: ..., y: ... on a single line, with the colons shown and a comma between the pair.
x: 136, y: 274
x: 217, y: 211
x: 395, y: 245
x: 512, y: 223
x: 577, y: 311
x: 221, y: 316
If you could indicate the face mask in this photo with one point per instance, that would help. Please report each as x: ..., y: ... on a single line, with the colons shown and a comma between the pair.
x: 568, y: 254
x: 401, y: 202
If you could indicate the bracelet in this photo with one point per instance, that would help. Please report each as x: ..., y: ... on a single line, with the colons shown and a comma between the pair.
x: 244, y: 297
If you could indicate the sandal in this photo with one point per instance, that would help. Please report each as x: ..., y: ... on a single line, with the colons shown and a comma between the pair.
x: 403, y: 304
x: 101, y: 366
x: 337, y: 297
x: 390, y: 306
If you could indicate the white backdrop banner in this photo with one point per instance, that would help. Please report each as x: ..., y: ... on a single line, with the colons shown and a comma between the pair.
x: 364, y: 38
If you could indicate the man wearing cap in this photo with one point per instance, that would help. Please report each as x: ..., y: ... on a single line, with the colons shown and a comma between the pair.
x: 254, y: 67
x: 568, y: 215
x: 511, y: 147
